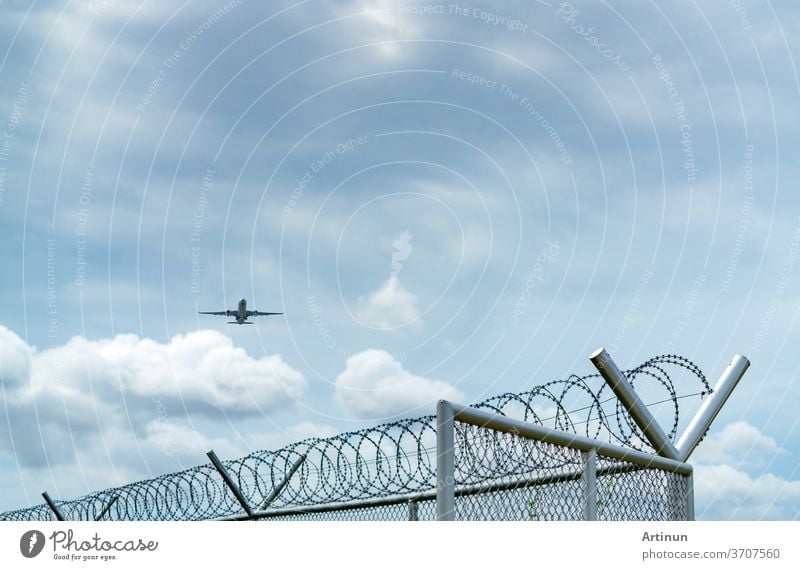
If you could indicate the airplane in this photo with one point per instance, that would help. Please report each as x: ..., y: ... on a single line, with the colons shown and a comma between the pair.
x: 241, y: 314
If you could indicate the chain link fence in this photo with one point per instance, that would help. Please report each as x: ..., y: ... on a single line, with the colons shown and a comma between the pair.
x: 388, y: 472
x: 508, y: 476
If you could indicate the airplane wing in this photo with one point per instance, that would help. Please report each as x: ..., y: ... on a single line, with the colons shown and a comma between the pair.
x: 220, y: 313
x: 260, y: 314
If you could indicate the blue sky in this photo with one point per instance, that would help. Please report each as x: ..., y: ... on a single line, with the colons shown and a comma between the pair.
x: 447, y: 200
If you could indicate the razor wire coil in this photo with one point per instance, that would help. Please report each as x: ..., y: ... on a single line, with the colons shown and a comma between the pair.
x: 399, y: 458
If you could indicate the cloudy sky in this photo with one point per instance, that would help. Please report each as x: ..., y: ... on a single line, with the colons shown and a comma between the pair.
x: 445, y: 200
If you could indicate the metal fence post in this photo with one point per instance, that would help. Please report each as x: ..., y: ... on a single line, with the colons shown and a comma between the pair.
x: 589, y: 484
x: 630, y: 399
x: 280, y: 486
x: 107, y: 508
x: 229, y: 482
x: 445, y: 461
x: 52, y: 504
x: 413, y: 510
x: 700, y: 423
x: 690, y: 497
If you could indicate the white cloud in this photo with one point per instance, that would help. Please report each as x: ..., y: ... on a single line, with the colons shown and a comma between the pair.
x: 374, y: 385
x: 739, y: 444
x: 97, y: 413
x: 15, y: 359
x: 122, y: 394
x: 378, y: 21
x: 724, y: 493
x: 392, y: 305
x: 723, y: 488
x: 201, y: 370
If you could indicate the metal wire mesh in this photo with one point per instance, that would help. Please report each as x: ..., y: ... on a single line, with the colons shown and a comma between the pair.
x: 633, y: 493
x: 502, y: 476
x: 403, y: 510
x: 398, y: 459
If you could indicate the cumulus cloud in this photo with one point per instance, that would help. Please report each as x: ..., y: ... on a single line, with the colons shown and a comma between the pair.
x: 201, y: 371
x: 726, y: 493
x: 15, y: 359
x: 724, y: 490
x: 374, y: 385
x: 128, y: 398
x: 739, y: 444
x: 392, y: 305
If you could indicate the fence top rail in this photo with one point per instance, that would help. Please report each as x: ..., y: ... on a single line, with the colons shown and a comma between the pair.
x: 481, y: 418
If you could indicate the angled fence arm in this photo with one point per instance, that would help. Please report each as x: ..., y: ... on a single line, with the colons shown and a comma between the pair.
x: 229, y: 482
x: 636, y: 408
x: 280, y: 486
x: 51, y: 503
x: 445, y: 461
x: 107, y: 508
x: 701, y: 421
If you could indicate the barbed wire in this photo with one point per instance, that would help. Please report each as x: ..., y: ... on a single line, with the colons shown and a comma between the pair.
x: 387, y: 460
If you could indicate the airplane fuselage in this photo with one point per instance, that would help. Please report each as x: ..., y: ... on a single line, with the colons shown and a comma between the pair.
x: 241, y: 314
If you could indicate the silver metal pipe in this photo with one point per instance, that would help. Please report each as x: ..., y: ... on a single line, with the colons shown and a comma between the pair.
x: 445, y: 462
x: 690, y: 497
x: 285, y: 481
x: 589, y: 484
x: 229, y: 482
x: 482, y: 418
x: 52, y: 504
x: 107, y: 508
x: 413, y: 510
x: 702, y: 420
x: 636, y: 408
